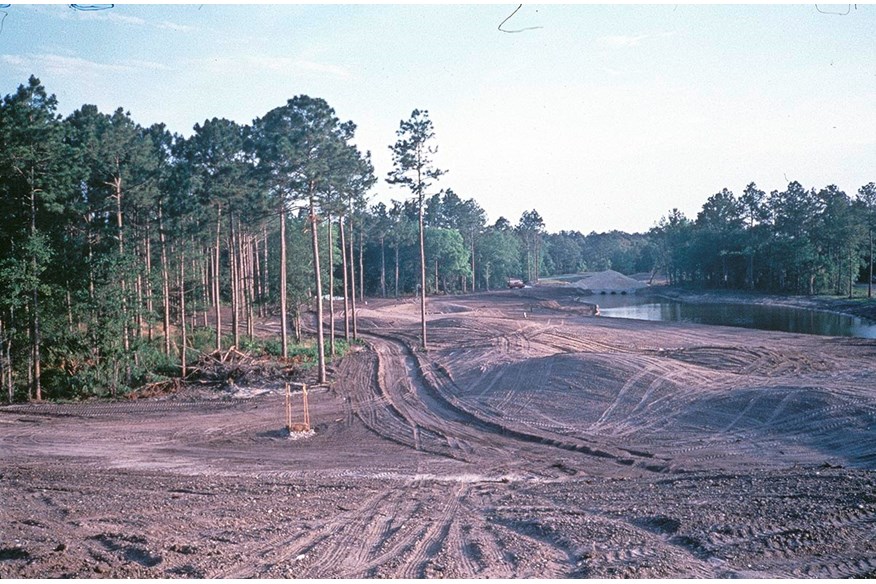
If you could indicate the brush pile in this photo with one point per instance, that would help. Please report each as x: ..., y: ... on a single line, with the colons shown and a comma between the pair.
x: 233, y: 367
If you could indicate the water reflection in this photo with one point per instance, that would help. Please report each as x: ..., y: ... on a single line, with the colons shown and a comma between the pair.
x: 771, y: 318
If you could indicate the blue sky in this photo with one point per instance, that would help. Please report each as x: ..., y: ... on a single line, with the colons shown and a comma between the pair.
x: 603, y: 117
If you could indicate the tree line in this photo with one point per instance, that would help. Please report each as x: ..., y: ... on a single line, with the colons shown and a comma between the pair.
x: 798, y: 240
x: 125, y: 249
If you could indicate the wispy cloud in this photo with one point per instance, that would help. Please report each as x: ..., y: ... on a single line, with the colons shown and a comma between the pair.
x: 113, y: 16
x: 166, y: 25
x: 281, y: 65
x: 326, y: 68
x: 151, y: 65
x: 627, y: 41
x: 72, y: 65
x: 14, y: 60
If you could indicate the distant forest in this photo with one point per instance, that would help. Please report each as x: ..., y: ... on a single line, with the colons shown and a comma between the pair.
x: 123, y: 249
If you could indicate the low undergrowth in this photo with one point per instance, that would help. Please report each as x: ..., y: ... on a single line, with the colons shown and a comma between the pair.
x: 83, y: 373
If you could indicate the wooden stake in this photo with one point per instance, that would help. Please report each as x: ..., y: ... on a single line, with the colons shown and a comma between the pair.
x: 288, y: 408
x: 306, y: 410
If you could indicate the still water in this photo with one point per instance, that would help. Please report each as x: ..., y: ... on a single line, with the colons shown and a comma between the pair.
x: 771, y: 318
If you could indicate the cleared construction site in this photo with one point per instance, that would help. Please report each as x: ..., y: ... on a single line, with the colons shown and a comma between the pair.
x: 558, y: 444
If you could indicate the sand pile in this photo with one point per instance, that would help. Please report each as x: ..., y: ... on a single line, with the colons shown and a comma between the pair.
x: 609, y: 280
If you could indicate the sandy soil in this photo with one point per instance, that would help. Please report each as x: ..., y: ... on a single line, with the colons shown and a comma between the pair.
x: 546, y: 445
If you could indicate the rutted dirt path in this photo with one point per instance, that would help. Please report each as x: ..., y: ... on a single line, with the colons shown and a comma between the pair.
x: 527, y: 441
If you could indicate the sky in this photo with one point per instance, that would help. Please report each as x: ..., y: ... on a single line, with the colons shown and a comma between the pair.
x: 600, y: 117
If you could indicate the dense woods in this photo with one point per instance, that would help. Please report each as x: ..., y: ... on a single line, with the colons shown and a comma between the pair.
x: 127, y: 250
x: 800, y: 241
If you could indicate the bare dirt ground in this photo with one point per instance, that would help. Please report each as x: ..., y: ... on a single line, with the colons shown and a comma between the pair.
x: 546, y: 445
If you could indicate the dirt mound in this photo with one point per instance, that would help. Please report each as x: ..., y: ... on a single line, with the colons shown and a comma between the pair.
x: 610, y: 281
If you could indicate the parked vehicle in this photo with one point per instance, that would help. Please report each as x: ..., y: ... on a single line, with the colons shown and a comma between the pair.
x: 515, y: 283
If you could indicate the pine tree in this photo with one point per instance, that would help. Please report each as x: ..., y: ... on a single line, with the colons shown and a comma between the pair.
x: 413, y: 168
x: 35, y: 173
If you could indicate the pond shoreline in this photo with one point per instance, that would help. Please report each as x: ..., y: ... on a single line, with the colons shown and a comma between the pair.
x: 857, y: 307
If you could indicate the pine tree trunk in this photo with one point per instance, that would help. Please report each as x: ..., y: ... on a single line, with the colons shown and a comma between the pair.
x: 244, y: 278
x: 266, y: 287
x: 182, y: 313
x: 298, y: 323
x: 206, y: 288
x: 362, y: 265
x: 216, y: 301
x: 235, y: 276
x: 165, y: 280
x: 320, y: 338
x: 396, y: 268
x: 422, y: 271
x: 90, y: 269
x: 870, y: 279
x: 138, y: 286
x: 10, y: 383
x: 331, y: 287
x: 30, y: 371
x: 69, y: 302
x: 5, y: 364
x: 353, y: 278
x: 473, y: 281
x: 283, y: 318
x: 117, y: 183
x: 851, y: 273
x: 250, y: 288
x: 10, y: 386
x: 257, y: 278
x: 537, y: 259
x: 149, y: 306
x: 346, y: 280
x: 383, y: 266
x: 35, y: 318
x: 194, y: 270
x: 528, y: 259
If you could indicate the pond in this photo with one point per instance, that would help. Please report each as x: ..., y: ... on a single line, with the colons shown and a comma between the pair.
x: 756, y: 316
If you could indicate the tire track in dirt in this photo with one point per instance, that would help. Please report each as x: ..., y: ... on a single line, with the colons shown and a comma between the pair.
x: 838, y: 567
x: 394, y: 533
x: 774, y: 537
x: 433, y: 538
x: 646, y: 409
x: 124, y: 409
x: 386, y: 549
x: 372, y: 405
x: 437, y: 378
x: 348, y: 556
x: 440, y: 412
x: 798, y: 550
x: 568, y: 342
x: 341, y: 531
x: 759, y: 361
x: 442, y: 430
x: 651, y: 374
x: 524, y: 502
